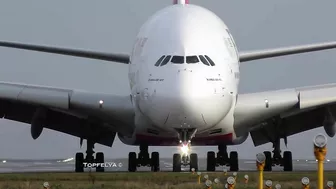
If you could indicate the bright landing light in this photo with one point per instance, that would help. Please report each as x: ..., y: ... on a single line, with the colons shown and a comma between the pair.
x: 185, y: 149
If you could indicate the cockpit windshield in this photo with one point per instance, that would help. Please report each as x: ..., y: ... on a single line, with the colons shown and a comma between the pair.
x: 192, y: 59
x: 178, y: 60
x: 165, y: 61
x: 204, y: 61
x: 159, y: 61
x: 195, y: 59
x: 210, y: 61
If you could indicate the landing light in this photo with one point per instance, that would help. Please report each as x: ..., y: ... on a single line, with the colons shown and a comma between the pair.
x: 230, y: 180
x: 305, y: 180
x: 261, y: 158
x: 46, y: 185
x: 320, y: 140
x: 208, y: 183
x: 268, y: 183
x: 330, y: 184
x: 185, y: 149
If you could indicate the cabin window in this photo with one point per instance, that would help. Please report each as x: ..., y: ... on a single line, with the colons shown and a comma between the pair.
x: 210, y: 61
x: 165, y: 61
x: 203, y: 60
x: 159, y: 61
x: 177, y: 59
x: 192, y: 59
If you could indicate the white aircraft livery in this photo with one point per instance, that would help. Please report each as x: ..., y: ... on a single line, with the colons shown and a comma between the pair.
x: 183, y: 92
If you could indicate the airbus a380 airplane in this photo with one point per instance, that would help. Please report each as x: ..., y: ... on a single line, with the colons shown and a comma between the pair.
x: 184, y: 76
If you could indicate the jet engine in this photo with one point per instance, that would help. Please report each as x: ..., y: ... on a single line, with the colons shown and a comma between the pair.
x: 129, y: 140
x: 330, y: 129
x: 239, y: 139
x: 329, y: 124
x: 38, y: 122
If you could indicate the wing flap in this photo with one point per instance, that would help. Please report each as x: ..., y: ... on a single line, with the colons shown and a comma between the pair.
x: 269, y: 53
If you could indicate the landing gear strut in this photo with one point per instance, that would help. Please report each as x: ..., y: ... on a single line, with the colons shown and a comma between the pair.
x: 143, y: 159
x: 185, y: 159
x: 222, y: 159
x: 286, y: 161
x: 80, y: 160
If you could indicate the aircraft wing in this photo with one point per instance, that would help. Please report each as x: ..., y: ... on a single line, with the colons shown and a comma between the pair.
x: 282, y: 113
x: 125, y: 58
x: 114, y: 57
x: 269, y: 53
x: 75, y: 112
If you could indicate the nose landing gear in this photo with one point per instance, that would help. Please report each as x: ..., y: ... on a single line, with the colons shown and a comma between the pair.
x: 185, y: 158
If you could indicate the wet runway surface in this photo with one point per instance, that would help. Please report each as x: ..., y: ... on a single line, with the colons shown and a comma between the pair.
x: 10, y: 166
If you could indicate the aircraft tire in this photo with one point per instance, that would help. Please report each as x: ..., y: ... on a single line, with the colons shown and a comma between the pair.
x: 288, y: 161
x: 193, y: 161
x: 177, y: 163
x: 155, y: 162
x: 79, y: 166
x: 234, y: 164
x: 211, y: 161
x: 132, y: 162
x: 268, y: 161
x: 100, y: 159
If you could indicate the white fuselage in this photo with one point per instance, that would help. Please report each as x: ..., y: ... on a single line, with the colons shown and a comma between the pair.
x: 185, y: 89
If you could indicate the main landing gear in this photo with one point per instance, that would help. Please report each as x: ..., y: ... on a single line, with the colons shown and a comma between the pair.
x: 286, y: 161
x: 80, y: 160
x: 143, y: 159
x: 222, y: 159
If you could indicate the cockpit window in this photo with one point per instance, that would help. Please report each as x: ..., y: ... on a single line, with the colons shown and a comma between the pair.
x: 204, y: 61
x: 177, y: 59
x: 165, y: 61
x: 192, y: 59
x: 159, y: 61
x: 210, y: 61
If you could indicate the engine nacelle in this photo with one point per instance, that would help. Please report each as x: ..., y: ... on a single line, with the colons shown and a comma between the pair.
x: 330, y: 129
x: 239, y: 140
x: 129, y: 140
x: 329, y: 124
x: 38, y: 122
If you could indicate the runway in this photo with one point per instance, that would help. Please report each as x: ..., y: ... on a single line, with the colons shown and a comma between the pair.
x: 120, y: 165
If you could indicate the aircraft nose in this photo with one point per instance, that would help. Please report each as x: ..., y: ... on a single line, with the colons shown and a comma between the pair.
x: 188, y: 100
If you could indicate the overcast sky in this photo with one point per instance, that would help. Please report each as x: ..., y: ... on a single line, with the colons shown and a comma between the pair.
x: 111, y: 26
